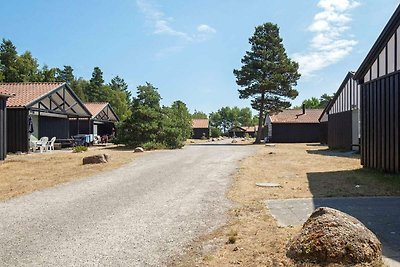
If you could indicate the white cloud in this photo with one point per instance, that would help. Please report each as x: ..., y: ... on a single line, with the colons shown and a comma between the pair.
x: 330, y: 42
x: 162, y: 24
x: 204, y: 28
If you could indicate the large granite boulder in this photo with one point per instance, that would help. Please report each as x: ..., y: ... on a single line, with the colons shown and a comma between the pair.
x: 96, y: 159
x: 331, y: 236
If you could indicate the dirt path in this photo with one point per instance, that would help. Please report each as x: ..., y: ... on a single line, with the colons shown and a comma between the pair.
x: 138, y: 215
x: 252, y: 236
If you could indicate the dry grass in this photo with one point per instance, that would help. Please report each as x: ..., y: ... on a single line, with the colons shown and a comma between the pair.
x: 21, y: 174
x: 303, y: 171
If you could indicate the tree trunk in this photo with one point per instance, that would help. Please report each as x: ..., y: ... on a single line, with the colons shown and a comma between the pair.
x: 260, y: 121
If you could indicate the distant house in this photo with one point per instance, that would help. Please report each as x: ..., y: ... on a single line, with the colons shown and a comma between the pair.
x: 200, y: 128
x: 241, y: 131
x: 379, y: 78
x: 40, y: 109
x: 4, y: 95
x: 342, y: 116
x: 102, y: 122
x: 294, y: 126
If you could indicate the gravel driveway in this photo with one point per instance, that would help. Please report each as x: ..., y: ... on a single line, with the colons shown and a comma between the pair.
x: 138, y: 215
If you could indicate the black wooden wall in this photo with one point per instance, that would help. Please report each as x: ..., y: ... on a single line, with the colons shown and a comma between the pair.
x: 323, y: 128
x: 295, y: 132
x: 340, y: 130
x: 53, y: 127
x: 17, y: 130
x: 380, y: 111
x: 198, y: 133
x: 3, y: 131
x: 83, y: 127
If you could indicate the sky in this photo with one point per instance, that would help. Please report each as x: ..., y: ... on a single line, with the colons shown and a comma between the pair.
x: 188, y: 49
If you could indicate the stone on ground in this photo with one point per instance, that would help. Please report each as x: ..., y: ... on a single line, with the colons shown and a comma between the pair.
x: 267, y: 184
x: 96, y: 159
x: 234, y: 141
x: 139, y: 150
x: 331, y: 236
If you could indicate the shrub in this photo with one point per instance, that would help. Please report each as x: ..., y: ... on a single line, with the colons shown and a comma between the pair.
x: 215, y: 132
x: 246, y: 135
x: 153, y: 146
x: 79, y: 149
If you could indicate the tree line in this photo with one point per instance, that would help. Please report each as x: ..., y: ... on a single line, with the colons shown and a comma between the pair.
x: 24, y: 67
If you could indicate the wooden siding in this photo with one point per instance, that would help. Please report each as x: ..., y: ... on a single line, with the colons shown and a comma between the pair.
x: 17, y: 130
x: 53, y: 127
x: 198, y: 133
x: 340, y: 130
x: 323, y: 132
x: 3, y: 131
x: 380, y: 117
x: 83, y: 127
x: 295, y: 132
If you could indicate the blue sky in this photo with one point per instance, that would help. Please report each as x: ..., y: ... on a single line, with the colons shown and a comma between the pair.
x: 188, y: 49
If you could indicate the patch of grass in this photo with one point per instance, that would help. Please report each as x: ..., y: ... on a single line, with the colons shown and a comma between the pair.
x: 79, y: 149
x: 232, y: 237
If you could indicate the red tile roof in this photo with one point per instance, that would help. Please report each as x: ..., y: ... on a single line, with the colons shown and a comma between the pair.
x: 95, y: 107
x: 26, y: 93
x: 4, y: 92
x: 200, y: 123
x: 297, y: 116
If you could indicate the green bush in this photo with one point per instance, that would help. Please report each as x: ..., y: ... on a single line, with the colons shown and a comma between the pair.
x: 153, y: 146
x: 215, y: 132
x: 79, y: 149
x: 246, y: 135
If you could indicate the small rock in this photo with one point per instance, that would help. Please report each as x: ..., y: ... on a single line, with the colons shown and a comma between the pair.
x: 270, y: 145
x: 96, y: 159
x: 139, y: 150
x: 234, y: 141
x: 331, y: 236
x: 271, y: 153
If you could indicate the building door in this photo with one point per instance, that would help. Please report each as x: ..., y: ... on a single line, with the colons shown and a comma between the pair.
x: 95, y: 129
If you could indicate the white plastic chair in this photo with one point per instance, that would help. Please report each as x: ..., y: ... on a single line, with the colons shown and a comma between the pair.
x: 43, y: 144
x: 50, y: 145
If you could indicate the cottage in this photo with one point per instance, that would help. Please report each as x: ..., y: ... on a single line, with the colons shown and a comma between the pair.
x: 340, y: 119
x: 294, y: 126
x: 40, y: 109
x: 379, y: 78
x: 200, y: 128
x: 102, y: 121
x: 4, y: 95
x: 241, y: 131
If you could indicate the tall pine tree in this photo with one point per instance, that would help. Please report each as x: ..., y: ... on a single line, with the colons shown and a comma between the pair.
x: 267, y: 74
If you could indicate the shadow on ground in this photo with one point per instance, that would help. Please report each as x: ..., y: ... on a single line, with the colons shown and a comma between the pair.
x: 334, y: 153
x: 220, y: 144
x: 381, y: 215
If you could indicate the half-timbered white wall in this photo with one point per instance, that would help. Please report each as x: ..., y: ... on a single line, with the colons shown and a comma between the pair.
x: 348, y: 99
x: 388, y: 60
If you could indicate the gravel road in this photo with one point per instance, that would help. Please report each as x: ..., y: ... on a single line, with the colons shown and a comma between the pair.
x: 138, y: 215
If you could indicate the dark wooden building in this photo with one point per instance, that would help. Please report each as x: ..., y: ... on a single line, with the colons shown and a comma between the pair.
x: 341, y: 117
x: 200, y: 128
x: 294, y: 126
x: 241, y: 131
x: 4, y: 95
x: 102, y: 121
x: 40, y: 109
x: 379, y: 78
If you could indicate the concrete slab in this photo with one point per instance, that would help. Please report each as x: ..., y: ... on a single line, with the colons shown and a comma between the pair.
x: 380, y: 214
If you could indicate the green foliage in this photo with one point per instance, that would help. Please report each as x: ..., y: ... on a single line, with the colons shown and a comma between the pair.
x: 65, y: 75
x: 8, y: 61
x: 199, y: 115
x: 246, y: 136
x: 152, y: 125
x: 313, y: 102
x: 227, y: 117
x: 79, y: 149
x: 153, y: 146
x: 215, y: 132
x: 267, y: 75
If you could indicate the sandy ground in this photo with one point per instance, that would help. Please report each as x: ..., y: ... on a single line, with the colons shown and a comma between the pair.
x: 21, y: 174
x: 252, y: 236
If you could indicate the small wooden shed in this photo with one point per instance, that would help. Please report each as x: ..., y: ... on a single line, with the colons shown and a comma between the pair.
x: 4, y: 95
x: 379, y: 78
x: 294, y: 126
x: 200, y: 128
x: 40, y: 109
x: 241, y: 131
x: 102, y: 121
x: 342, y: 116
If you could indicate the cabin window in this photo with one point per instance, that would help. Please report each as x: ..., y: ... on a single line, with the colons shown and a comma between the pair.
x: 374, y: 70
x: 382, y: 63
x: 367, y: 76
x: 390, y: 55
x: 398, y: 49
